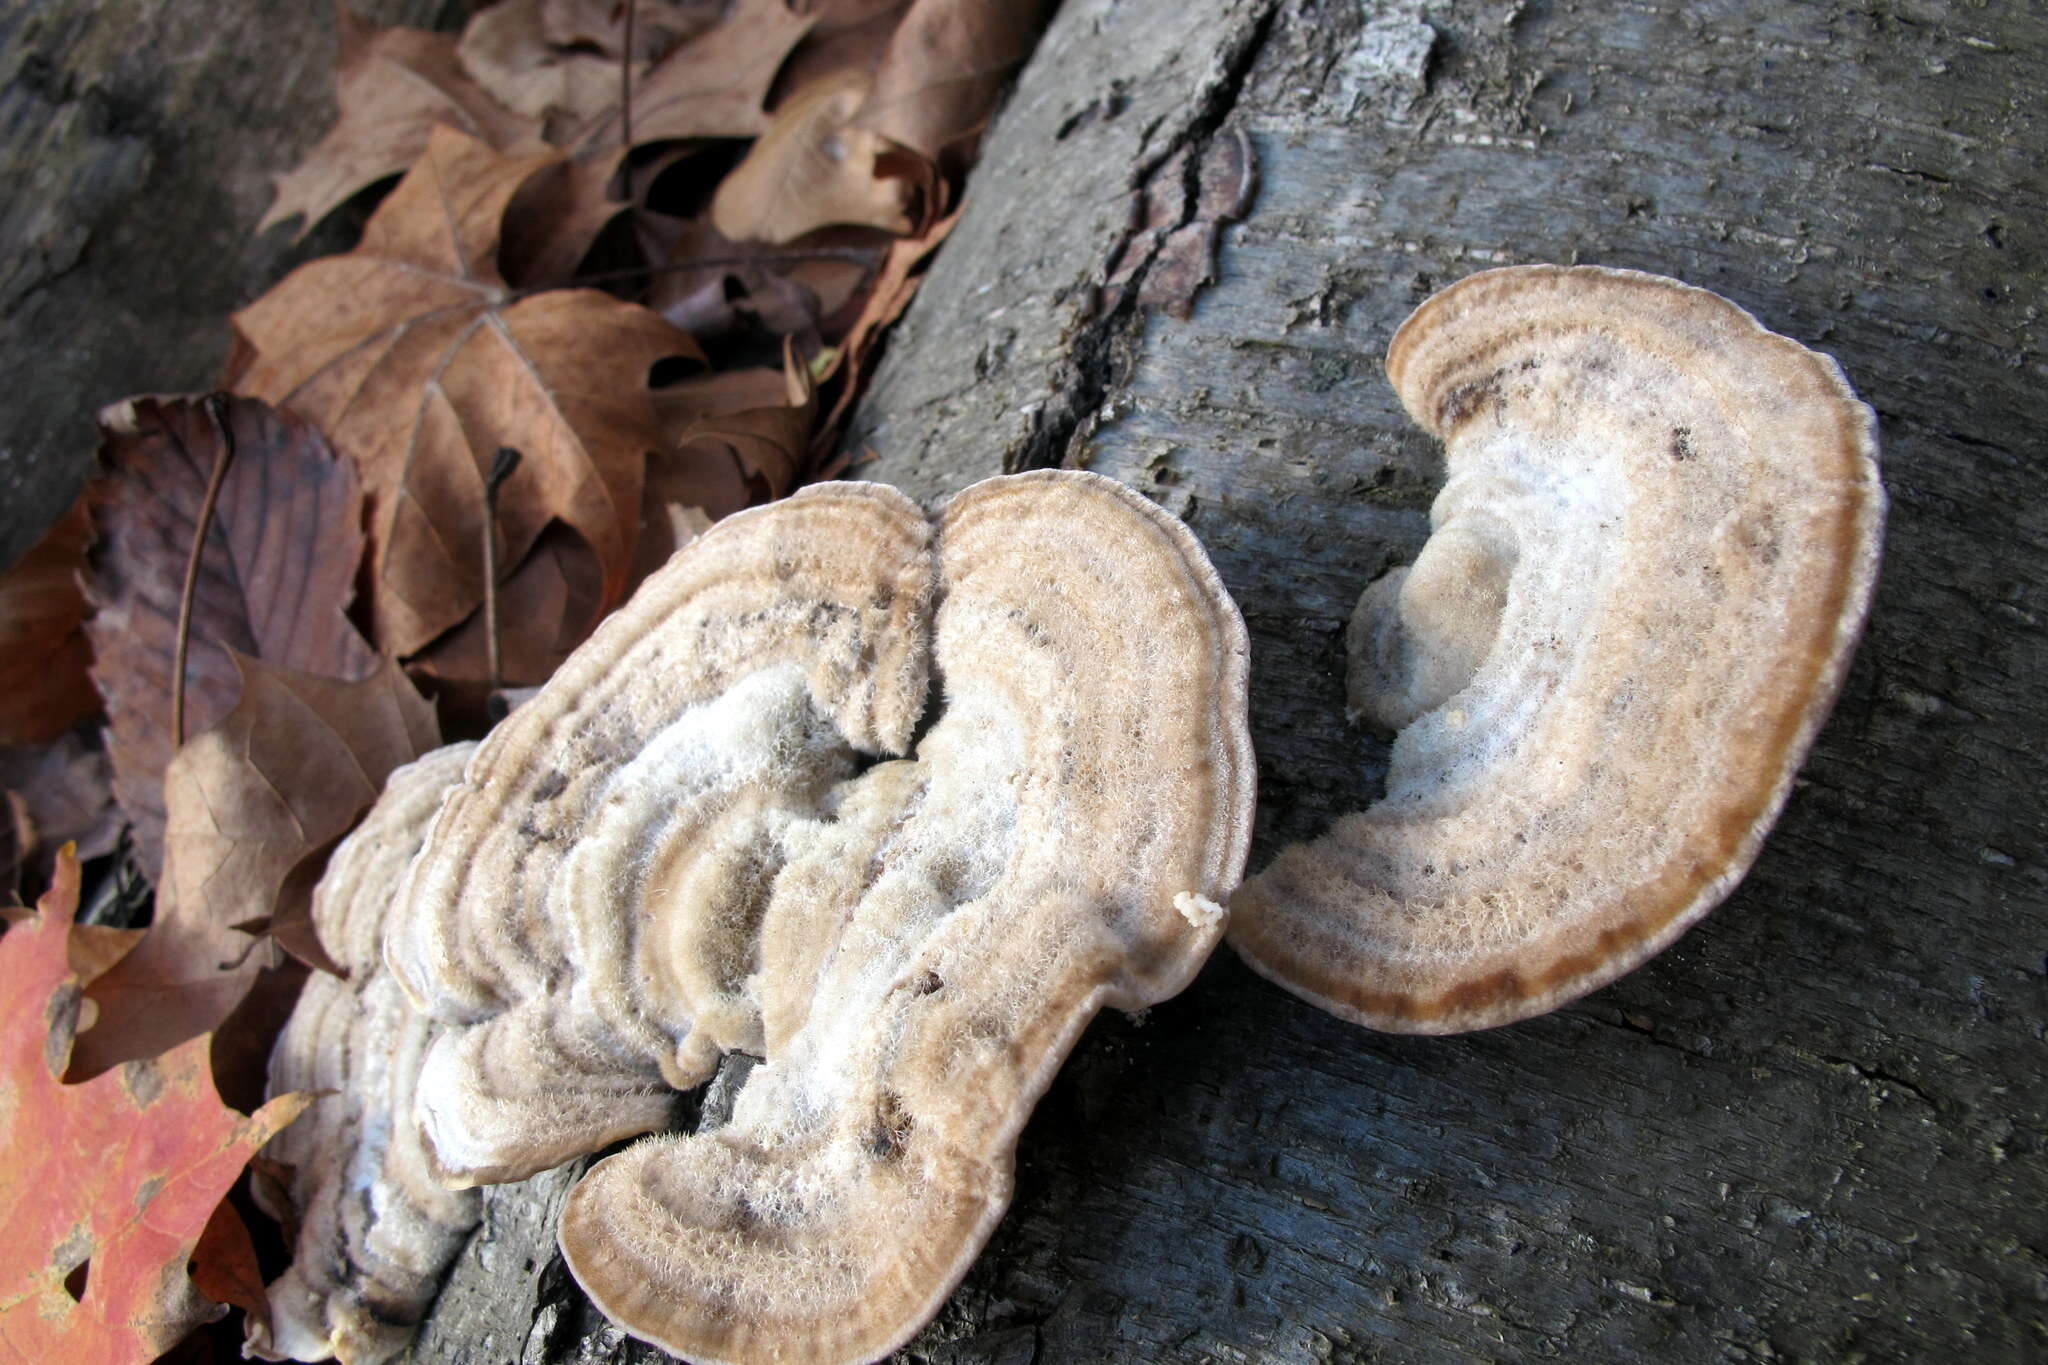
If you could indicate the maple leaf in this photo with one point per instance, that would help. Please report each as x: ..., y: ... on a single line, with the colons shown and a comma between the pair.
x: 420, y: 363
x: 288, y: 772
x: 109, y: 1183
x: 394, y: 86
x: 811, y: 169
x: 44, y: 686
x: 276, y: 575
x: 944, y: 68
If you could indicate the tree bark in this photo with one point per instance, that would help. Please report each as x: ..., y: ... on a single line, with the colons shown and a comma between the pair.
x: 1813, y: 1129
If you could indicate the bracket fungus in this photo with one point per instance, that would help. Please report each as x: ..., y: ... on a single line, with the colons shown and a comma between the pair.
x: 694, y: 841
x: 375, y: 1228
x: 1647, y: 571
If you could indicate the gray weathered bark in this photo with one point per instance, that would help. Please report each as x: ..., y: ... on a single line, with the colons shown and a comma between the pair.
x: 1814, y: 1128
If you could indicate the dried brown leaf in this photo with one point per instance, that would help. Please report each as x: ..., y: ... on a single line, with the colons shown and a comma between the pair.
x: 60, y: 793
x: 945, y: 66
x: 711, y: 286
x: 421, y: 364
x: 895, y: 285
x: 812, y: 169
x: 394, y: 86
x: 771, y: 443
x: 44, y: 683
x: 290, y: 769
x: 545, y: 609
x: 658, y: 25
x: 714, y: 85
x: 507, y: 51
x: 849, y: 34
x: 275, y: 578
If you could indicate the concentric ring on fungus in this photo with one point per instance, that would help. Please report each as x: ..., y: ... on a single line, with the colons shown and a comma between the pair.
x: 685, y: 845
x: 1647, y: 572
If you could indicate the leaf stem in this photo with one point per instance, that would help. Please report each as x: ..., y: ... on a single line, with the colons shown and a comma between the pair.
x: 216, y: 405
x: 626, y: 83
x: 501, y: 469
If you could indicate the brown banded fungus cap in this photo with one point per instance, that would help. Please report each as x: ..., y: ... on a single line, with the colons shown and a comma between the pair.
x: 1647, y: 571
x: 685, y: 845
x: 375, y: 1228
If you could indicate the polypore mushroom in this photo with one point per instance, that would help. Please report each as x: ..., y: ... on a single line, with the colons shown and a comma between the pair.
x: 683, y: 846
x: 1648, y: 568
x: 375, y: 1228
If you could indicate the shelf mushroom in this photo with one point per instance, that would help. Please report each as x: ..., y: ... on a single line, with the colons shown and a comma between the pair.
x: 375, y: 1229
x: 695, y: 840
x: 1647, y: 571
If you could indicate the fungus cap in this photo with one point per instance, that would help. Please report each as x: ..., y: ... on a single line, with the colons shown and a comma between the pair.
x: 375, y: 1228
x: 1647, y: 570
x: 914, y: 944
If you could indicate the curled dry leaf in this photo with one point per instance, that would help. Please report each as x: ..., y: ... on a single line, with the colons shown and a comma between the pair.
x: 288, y: 771
x: 945, y: 66
x: 506, y: 48
x: 44, y: 682
x: 712, y: 285
x: 419, y: 363
x: 394, y: 86
x: 374, y: 1228
x: 895, y: 286
x: 109, y: 1184
x: 276, y: 575
x: 770, y: 443
x: 812, y: 168
x: 848, y: 33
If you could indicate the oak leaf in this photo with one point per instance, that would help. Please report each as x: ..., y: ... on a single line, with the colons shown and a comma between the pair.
x: 276, y: 575
x: 895, y: 286
x: 105, y: 1187
x: 848, y: 33
x: 287, y: 772
x: 945, y: 66
x: 812, y: 168
x: 394, y: 86
x: 658, y: 25
x: 44, y: 685
x: 420, y: 363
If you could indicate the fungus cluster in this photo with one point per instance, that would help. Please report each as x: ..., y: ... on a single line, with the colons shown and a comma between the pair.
x: 898, y: 803
x: 1646, y: 574
x: 375, y: 1226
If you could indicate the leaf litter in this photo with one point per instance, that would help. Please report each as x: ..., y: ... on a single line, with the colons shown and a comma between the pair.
x: 652, y: 246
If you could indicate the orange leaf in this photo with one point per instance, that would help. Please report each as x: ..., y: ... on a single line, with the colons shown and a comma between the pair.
x: 289, y: 770
x: 43, y: 655
x: 419, y: 363
x: 104, y: 1187
x: 394, y: 86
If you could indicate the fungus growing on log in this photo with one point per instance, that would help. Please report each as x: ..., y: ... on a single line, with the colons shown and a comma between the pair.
x: 685, y: 845
x: 375, y: 1228
x: 1648, y: 568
